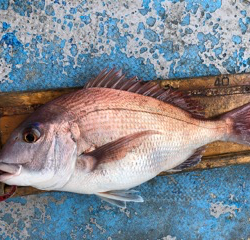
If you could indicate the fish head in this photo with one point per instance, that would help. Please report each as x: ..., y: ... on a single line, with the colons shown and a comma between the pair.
x: 41, y: 152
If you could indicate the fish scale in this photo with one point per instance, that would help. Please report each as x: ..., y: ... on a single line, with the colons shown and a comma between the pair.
x: 125, y: 121
x: 111, y: 136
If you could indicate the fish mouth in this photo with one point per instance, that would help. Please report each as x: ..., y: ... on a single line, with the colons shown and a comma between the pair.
x: 8, y: 171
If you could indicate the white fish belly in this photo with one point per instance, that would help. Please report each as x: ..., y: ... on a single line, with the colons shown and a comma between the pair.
x: 154, y: 155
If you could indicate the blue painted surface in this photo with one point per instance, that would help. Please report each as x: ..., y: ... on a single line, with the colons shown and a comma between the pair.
x: 51, y: 59
x: 46, y: 44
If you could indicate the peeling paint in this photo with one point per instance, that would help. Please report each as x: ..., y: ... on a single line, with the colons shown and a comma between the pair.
x: 75, y: 41
x: 212, y: 195
x: 218, y: 209
x: 125, y: 211
x: 169, y: 238
x: 93, y: 221
x: 27, y: 211
x: 49, y: 44
x: 6, y: 69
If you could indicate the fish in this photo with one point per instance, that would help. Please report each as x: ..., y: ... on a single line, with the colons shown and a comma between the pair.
x: 113, y: 135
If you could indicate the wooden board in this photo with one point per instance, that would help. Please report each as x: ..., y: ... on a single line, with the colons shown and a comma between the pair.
x: 217, y: 94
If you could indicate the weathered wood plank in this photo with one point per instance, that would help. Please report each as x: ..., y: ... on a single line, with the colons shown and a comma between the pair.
x: 217, y: 94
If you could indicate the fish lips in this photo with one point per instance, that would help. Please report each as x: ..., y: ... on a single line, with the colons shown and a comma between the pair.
x: 8, y: 171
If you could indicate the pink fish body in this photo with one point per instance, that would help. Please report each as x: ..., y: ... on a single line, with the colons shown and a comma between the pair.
x: 111, y: 136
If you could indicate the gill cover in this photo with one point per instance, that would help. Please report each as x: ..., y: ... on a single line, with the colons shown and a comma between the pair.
x: 62, y: 159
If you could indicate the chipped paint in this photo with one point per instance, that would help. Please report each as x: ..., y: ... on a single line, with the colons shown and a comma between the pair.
x: 99, y: 227
x: 30, y: 210
x: 169, y: 238
x: 125, y: 211
x: 212, y: 195
x: 6, y: 69
x: 217, y: 209
x: 49, y: 44
x: 74, y: 41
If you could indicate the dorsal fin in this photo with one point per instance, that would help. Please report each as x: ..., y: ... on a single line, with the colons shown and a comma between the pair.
x: 116, y: 80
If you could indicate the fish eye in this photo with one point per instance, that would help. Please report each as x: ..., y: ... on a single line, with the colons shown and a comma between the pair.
x: 31, y: 135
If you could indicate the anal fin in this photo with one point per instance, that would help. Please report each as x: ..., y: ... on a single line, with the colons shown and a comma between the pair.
x: 120, y: 197
x: 191, y: 161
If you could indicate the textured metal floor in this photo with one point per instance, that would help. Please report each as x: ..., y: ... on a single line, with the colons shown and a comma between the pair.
x: 50, y: 44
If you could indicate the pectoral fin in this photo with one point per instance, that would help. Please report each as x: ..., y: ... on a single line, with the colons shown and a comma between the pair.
x: 120, y: 197
x: 112, y: 151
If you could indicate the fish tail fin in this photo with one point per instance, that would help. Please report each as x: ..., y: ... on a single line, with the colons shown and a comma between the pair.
x: 238, y: 121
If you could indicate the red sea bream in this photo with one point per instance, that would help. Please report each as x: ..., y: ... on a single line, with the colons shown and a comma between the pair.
x: 113, y: 135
